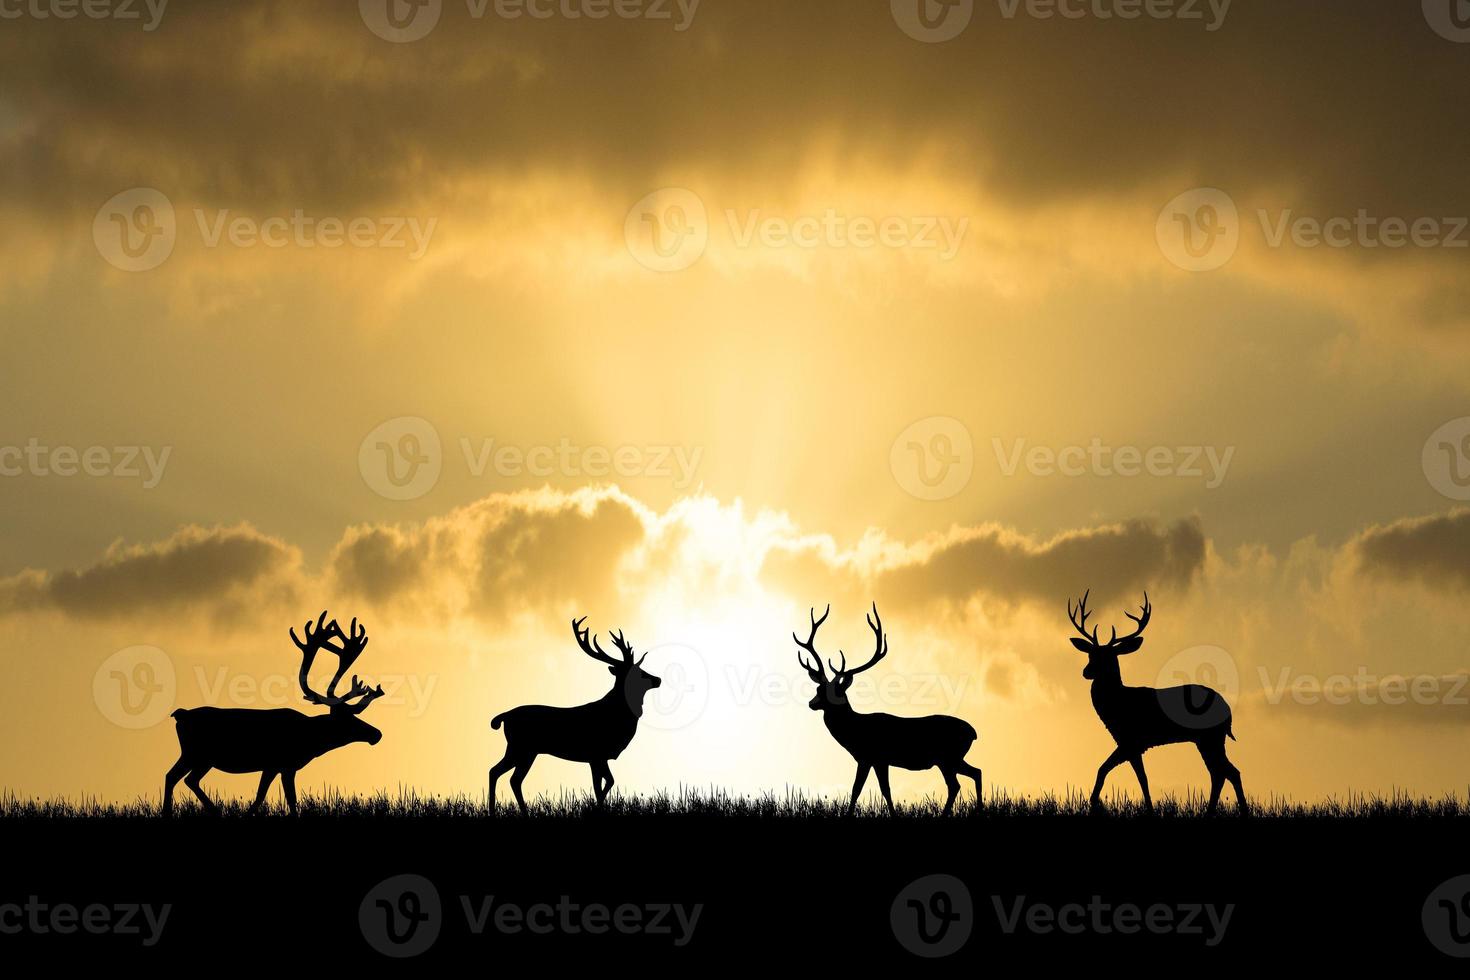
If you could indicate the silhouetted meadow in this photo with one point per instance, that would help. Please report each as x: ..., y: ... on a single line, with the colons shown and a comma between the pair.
x: 408, y: 805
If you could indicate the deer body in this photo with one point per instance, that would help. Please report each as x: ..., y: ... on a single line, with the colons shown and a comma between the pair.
x: 879, y: 741
x: 594, y: 733
x: 276, y: 741
x: 1143, y: 718
x: 908, y: 743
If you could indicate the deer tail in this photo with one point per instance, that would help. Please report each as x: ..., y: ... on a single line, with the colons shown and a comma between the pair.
x: 1231, y: 732
x: 179, y: 712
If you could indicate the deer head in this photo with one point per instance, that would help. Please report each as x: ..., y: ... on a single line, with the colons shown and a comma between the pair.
x: 1102, y: 658
x: 832, y: 691
x: 634, y: 681
x: 343, y: 709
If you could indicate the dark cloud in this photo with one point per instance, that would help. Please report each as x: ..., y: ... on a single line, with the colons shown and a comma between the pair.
x: 1116, y: 561
x: 1340, y: 104
x: 1119, y: 560
x: 224, y: 571
x: 1432, y: 550
x: 504, y: 555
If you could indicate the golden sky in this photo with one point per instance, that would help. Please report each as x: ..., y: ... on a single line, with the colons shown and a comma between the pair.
x: 696, y: 315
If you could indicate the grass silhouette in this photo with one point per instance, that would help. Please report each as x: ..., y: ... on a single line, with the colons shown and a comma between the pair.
x: 686, y: 803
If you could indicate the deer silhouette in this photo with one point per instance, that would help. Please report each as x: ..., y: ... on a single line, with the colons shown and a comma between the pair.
x: 1142, y: 718
x: 593, y: 733
x: 877, y: 741
x: 277, y: 741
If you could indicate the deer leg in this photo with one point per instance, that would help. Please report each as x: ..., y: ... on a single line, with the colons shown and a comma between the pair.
x: 951, y: 783
x: 1137, y: 763
x: 518, y: 777
x: 192, y: 781
x: 882, y: 772
x: 1109, y: 764
x: 857, y: 786
x: 1233, y: 774
x: 602, y: 780
x: 288, y: 786
x: 500, y: 768
x: 266, y: 778
x: 179, y: 771
x: 1217, y: 783
x: 965, y: 769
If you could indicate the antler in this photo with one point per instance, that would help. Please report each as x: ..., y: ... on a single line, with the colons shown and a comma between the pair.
x: 588, y: 642
x: 1081, y: 624
x: 1115, y: 639
x: 817, y: 674
x: 1142, y: 620
x: 320, y: 637
x: 880, y: 650
x: 880, y: 643
x: 625, y: 648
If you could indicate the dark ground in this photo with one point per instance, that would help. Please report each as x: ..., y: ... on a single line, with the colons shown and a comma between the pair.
x: 780, y: 887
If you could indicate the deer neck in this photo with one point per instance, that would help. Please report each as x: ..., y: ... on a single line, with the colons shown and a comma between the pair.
x: 619, y: 701
x: 841, y: 720
x: 324, y: 735
x: 1107, y: 687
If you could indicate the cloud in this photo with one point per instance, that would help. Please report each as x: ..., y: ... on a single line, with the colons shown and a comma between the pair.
x: 540, y: 552
x: 225, y: 572
x: 995, y: 562
x: 456, y: 123
x: 1433, y: 550
x: 507, y: 554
